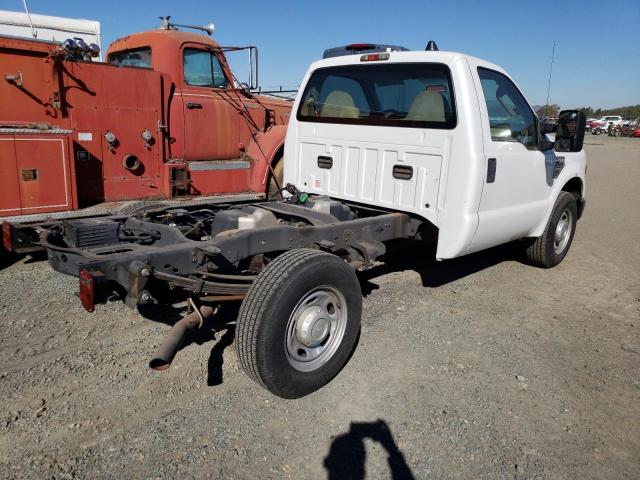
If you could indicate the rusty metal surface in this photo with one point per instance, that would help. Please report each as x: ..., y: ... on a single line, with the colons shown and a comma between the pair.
x: 78, y: 103
x: 167, y: 351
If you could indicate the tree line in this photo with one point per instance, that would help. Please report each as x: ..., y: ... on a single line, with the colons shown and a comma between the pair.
x: 630, y: 111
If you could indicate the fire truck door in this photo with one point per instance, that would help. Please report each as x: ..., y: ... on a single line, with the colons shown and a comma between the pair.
x: 212, y: 119
x: 43, y: 174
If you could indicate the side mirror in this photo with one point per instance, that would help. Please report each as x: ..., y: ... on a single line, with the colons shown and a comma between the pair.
x: 252, y: 82
x: 570, y: 131
x: 253, y: 68
x: 547, y: 127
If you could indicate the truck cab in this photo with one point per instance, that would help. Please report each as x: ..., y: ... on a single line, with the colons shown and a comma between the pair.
x: 206, y: 117
x: 443, y: 136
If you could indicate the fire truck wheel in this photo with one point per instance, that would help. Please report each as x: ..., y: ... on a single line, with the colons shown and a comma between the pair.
x: 278, y: 169
x: 299, y: 322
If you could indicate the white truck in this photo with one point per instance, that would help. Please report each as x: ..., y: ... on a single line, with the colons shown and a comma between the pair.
x: 381, y: 145
x: 49, y: 28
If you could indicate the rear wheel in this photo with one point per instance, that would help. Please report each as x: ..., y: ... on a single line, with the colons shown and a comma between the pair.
x: 552, y: 246
x: 299, y: 322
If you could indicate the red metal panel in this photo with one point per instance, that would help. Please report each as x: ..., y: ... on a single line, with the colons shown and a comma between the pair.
x: 9, y: 191
x: 30, y: 98
x: 43, y: 174
x: 220, y: 181
x: 124, y: 102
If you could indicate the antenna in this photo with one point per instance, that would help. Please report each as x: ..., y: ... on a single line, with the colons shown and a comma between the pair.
x: 165, y: 24
x: 553, y: 52
x: 26, y: 9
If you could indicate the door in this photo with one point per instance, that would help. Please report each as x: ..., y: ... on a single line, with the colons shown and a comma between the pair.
x: 211, y: 107
x: 43, y: 174
x: 9, y: 183
x: 517, y: 181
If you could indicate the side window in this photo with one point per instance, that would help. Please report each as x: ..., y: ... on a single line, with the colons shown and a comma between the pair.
x: 510, y: 117
x: 202, y: 69
x: 219, y: 80
x: 140, y: 57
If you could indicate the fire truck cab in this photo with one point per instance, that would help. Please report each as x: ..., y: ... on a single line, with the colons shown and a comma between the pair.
x: 164, y: 118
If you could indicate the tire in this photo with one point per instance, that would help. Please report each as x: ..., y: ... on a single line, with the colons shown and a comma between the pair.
x: 549, y: 250
x: 278, y: 170
x: 285, y: 307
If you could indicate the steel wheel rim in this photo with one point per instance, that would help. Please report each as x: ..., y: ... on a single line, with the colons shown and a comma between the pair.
x: 316, y: 328
x: 563, y: 231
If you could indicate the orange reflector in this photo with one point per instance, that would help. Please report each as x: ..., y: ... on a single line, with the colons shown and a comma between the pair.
x: 87, y: 290
x: 7, y: 238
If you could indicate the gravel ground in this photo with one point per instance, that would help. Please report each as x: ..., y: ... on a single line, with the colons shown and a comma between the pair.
x: 481, y: 367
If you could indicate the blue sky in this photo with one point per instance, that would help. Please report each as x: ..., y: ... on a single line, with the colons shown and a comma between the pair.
x: 597, y: 59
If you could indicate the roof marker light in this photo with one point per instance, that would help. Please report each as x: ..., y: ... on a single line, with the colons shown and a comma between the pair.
x: 360, y: 46
x: 373, y: 57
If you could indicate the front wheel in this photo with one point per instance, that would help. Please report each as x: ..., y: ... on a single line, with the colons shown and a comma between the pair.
x: 299, y: 322
x: 552, y: 246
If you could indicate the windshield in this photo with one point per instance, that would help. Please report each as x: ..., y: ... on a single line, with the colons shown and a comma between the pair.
x: 416, y: 95
x: 140, y: 57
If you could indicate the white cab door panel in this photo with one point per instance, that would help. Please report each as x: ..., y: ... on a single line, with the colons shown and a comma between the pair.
x: 517, y: 182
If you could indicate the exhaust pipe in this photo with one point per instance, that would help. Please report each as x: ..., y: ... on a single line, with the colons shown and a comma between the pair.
x: 167, y: 351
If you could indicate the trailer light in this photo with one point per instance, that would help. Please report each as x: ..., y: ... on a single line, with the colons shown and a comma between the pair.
x: 7, y: 236
x: 373, y: 57
x: 87, y: 290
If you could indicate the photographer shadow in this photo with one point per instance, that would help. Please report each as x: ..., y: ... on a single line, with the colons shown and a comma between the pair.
x: 347, y: 455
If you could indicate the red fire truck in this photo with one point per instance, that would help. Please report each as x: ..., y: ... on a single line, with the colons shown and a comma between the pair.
x: 163, y: 119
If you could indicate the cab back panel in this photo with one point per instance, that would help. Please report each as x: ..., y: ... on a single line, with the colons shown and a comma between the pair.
x: 403, y: 177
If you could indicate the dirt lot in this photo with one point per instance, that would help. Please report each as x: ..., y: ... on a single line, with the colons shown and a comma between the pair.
x: 480, y: 367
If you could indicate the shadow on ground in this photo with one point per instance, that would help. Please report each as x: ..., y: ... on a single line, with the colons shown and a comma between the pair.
x: 219, y: 328
x: 347, y: 456
x: 420, y: 257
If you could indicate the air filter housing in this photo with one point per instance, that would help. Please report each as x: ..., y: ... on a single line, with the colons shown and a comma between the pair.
x: 90, y: 232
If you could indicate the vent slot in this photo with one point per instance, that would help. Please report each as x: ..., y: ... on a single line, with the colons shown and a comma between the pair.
x: 325, y: 162
x: 403, y: 172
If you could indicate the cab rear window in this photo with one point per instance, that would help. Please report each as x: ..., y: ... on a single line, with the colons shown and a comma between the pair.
x: 140, y: 57
x: 418, y: 95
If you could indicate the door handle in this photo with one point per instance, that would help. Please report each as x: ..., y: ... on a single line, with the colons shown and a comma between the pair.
x: 191, y: 106
x: 491, y: 170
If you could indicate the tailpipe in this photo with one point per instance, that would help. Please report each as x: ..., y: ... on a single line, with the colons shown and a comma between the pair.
x: 174, y: 339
